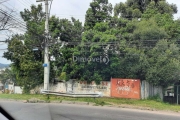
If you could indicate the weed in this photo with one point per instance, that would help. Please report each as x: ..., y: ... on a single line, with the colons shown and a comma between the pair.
x: 156, y: 98
x: 152, y: 103
x: 102, y: 103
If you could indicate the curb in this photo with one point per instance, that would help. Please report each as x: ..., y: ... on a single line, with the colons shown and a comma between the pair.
x: 82, y: 103
x: 86, y: 103
x: 68, y: 102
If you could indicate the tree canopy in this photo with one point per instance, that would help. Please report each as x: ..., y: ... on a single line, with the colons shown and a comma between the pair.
x: 138, y: 40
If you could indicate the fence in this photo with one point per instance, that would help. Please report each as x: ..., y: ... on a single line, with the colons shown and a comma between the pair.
x: 149, y: 90
x: 170, y: 99
x: 121, y: 88
x: 73, y: 86
x: 173, y: 95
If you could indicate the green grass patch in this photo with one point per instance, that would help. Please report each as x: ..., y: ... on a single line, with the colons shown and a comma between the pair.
x: 150, y: 103
x: 22, y: 96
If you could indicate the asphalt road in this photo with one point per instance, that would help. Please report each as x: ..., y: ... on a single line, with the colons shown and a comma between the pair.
x: 52, y: 111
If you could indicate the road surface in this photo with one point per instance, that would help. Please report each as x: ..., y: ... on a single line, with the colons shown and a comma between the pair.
x: 52, y: 111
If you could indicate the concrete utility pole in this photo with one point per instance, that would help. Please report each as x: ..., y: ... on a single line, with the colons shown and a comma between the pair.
x: 46, y: 48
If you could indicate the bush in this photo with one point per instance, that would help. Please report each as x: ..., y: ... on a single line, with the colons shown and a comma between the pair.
x: 156, y: 98
x: 102, y: 103
x: 6, y: 91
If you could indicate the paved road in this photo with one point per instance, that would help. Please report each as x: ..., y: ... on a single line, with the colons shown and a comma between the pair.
x: 41, y: 111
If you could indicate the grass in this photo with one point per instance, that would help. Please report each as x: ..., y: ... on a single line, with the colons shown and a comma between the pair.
x: 148, y: 104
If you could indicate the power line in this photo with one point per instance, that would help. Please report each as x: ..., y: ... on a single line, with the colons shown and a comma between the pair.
x: 13, y: 18
x: 81, y: 43
x: 24, y: 4
x: 30, y: 1
x: 12, y: 9
x: 27, y: 1
x: 22, y: 23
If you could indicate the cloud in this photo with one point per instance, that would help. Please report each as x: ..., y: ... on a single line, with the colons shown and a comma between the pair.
x: 70, y: 8
x: 74, y: 8
x: 177, y: 2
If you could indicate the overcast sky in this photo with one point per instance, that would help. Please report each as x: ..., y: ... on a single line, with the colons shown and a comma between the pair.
x: 62, y: 9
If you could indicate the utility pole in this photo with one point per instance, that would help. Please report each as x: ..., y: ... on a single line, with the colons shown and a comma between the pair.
x: 46, y: 48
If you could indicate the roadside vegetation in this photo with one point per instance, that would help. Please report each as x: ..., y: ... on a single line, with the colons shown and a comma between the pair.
x: 140, y: 39
x: 148, y: 104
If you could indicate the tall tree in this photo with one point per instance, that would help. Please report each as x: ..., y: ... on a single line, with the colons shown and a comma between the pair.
x: 7, y: 75
x: 99, y: 11
x: 69, y: 32
x: 34, y: 19
x: 135, y: 8
x: 150, y: 35
x: 164, y: 64
x: 26, y: 65
x: 107, y: 47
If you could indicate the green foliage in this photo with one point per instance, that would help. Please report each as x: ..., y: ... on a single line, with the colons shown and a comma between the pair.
x: 139, y: 42
x: 27, y: 64
x: 26, y: 89
x: 165, y: 64
x: 62, y: 76
x: 145, y: 9
x: 97, y: 102
x: 149, y: 30
x: 99, y: 11
x: 155, y: 98
x: 7, y: 75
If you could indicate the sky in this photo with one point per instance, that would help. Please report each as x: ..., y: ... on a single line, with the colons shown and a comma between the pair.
x: 62, y: 9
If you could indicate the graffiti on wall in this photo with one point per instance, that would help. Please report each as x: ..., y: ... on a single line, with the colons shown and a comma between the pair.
x: 125, y: 88
x: 92, y: 86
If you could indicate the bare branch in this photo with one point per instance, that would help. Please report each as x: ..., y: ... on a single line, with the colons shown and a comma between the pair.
x: 8, y: 20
